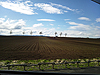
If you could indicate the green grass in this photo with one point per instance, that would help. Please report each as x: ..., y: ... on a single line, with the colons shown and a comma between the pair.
x: 47, y: 66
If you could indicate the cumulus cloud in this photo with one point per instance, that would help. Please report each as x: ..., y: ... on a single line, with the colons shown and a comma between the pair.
x: 48, y: 8
x: 97, y: 19
x: 11, y: 24
x: 79, y: 29
x: 38, y: 25
x: 17, y: 6
x: 18, y: 26
x: 8, y: 24
x: 45, y: 20
x: 84, y: 18
x: 1, y: 20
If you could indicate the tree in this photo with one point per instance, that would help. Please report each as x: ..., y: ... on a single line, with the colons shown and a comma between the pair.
x: 55, y: 33
x: 60, y: 34
x: 23, y: 32
x: 31, y: 32
x: 40, y: 33
x: 65, y: 34
x: 11, y: 32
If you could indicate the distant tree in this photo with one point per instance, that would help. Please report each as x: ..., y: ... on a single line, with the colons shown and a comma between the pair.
x: 40, y: 33
x: 23, y: 32
x: 60, y: 34
x: 65, y: 34
x: 55, y: 34
x: 11, y: 32
x: 31, y: 32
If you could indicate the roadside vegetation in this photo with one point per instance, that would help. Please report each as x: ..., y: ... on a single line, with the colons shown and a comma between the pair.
x: 59, y: 64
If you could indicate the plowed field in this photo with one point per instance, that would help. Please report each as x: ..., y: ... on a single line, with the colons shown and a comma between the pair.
x: 35, y: 47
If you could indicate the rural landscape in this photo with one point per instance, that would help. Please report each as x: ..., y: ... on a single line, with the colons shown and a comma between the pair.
x: 31, y: 52
x: 41, y: 35
x: 38, y: 47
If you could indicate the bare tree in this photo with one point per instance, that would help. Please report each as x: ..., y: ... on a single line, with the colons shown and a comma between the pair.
x: 31, y: 32
x: 55, y: 34
x: 11, y: 32
x: 60, y: 34
x: 65, y: 34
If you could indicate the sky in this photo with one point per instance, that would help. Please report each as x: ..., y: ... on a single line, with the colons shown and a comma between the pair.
x: 77, y: 18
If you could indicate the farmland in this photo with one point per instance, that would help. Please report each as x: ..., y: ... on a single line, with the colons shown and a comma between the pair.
x: 35, y: 47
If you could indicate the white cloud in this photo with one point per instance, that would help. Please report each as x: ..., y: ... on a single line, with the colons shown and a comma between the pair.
x: 15, y: 25
x: 74, y: 33
x: 26, y: 7
x: 58, y: 27
x: 79, y: 29
x: 66, y: 19
x: 2, y: 19
x: 66, y: 11
x: 72, y: 23
x: 97, y: 26
x: 51, y: 24
x: 53, y: 8
x: 64, y: 7
x: 79, y: 26
x: 97, y: 19
x: 38, y: 25
x: 84, y: 18
x: 48, y: 32
x: 45, y: 20
x: 5, y: 16
x: 48, y: 8
x: 11, y: 24
x: 17, y: 6
x: 76, y: 29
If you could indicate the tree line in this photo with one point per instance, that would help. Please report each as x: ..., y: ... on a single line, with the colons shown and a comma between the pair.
x: 41, y: 33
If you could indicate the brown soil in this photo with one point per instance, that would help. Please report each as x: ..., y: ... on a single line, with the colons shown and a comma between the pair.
x: 35, y: 47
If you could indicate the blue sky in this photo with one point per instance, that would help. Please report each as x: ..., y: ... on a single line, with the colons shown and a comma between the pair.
x: 78, y: 18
